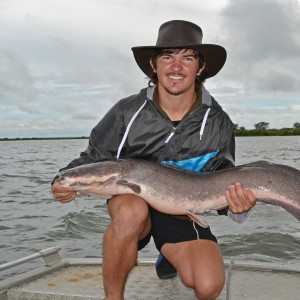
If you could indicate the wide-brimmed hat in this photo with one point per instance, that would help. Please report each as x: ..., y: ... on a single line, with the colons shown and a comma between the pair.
x: 186, y: 35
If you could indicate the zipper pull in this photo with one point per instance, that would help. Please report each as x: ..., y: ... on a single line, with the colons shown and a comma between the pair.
x: 170, y: 135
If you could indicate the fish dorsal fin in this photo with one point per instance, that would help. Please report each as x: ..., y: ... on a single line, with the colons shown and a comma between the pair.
x: 134, y: 187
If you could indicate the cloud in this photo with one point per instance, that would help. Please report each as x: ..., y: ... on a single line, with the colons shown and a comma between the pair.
x: 17, y: 86
x: 276, y: 78
x: 65, y: 63
x: 295, y: 107
x: 263, y: 42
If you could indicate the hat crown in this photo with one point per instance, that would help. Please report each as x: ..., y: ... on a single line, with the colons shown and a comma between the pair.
x: 179, y: 33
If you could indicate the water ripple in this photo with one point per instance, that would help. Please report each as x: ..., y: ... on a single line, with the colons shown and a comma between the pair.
x: 30, y: 220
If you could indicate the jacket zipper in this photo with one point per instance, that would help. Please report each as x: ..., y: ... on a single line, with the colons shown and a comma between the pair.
x: 167, y: 145
x: 170, y: 135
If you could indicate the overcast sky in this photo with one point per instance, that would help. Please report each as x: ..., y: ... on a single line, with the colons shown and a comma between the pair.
x: 64, y: 63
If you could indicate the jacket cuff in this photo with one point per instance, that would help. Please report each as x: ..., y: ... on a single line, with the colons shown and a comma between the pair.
x: 239, y: 218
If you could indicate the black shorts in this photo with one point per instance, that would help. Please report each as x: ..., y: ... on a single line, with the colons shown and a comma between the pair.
x: 172, y: 229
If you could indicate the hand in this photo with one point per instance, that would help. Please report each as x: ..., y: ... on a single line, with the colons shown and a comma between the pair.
x: 61, y: 193
x: 240, y: 200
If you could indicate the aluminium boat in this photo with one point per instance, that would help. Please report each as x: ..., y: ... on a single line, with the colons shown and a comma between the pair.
x: 81, y: 278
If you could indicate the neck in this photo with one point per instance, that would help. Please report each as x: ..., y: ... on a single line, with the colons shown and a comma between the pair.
x: 176, y: 106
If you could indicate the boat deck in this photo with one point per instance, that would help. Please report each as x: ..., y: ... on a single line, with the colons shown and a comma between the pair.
x: 68, y: 279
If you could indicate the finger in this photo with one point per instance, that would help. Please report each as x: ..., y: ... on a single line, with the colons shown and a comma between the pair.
x: 237, y: 199
x: 232, y: 198
x: 240, y: 194
x: 246, y: 197
x: 250, y: 196
x: 230, y: 201
x: 57, y: 187
x: 65, y: 198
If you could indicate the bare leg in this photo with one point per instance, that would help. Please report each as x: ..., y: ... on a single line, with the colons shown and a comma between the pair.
x: 130, y: 222
x: 200, y: 266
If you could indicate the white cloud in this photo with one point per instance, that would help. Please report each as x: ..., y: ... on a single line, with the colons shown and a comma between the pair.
x: 263, y: 43
x: 295, y: 107
x: 16, y: 80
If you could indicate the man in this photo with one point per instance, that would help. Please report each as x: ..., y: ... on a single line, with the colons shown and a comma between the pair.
x: 174, y: 121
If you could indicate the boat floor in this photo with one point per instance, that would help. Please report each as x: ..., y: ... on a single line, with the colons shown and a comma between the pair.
x: 68, y: 279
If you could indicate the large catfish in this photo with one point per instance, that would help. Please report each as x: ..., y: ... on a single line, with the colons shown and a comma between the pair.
x: 178, y: 192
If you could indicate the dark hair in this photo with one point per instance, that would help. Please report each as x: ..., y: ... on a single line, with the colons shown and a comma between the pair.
x: 153, y: 80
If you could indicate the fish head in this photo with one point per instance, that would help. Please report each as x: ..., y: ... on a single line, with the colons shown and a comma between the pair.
x: 100, y: 185
x: 65, y: 180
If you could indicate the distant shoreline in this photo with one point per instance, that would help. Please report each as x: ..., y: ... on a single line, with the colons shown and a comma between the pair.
x: 43, y: 138
x: 267, y: 132
x: 238, y: 133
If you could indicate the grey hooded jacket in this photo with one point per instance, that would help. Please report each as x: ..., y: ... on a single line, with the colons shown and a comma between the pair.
x: 134, y: 128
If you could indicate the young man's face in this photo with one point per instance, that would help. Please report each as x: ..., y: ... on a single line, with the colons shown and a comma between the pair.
x: 176, y: 72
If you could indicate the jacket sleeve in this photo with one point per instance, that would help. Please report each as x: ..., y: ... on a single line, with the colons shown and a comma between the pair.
x: 104, y: 139
x: 228, y: 157
x: 228, y: 161
x: 226, y: 150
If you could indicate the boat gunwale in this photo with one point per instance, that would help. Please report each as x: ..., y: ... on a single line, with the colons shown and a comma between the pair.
x: 62, y: 263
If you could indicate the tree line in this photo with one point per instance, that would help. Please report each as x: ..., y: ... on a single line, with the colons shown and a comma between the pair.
x: 262, y: 129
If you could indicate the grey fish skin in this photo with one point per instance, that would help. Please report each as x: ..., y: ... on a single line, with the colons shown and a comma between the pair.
x: 176, y: 191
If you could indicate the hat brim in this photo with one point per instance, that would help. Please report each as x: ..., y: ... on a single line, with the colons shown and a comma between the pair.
x: 214, y: 57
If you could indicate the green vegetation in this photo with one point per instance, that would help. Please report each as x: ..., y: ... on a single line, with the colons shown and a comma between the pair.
x: 261, y: 129
x: 267, y: 132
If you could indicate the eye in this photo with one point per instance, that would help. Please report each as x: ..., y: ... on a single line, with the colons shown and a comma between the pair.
x: 189, y: 58
x: 166, y: 57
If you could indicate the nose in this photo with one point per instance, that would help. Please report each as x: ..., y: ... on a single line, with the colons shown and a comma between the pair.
x: 176, y: 64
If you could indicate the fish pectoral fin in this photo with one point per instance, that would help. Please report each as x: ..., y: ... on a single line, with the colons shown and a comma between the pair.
x: 196, y: 218
x: 134, y: 187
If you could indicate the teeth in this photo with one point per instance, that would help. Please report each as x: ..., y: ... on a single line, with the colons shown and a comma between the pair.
x: 176, y: 77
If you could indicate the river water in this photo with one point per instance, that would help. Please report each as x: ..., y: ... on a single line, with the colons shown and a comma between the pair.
x: 30, y: 220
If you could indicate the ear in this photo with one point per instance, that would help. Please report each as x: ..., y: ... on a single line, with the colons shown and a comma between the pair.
x: 152, y: 65
x: 201, y: 70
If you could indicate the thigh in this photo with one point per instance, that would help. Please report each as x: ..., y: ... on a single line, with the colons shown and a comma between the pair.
x: 199, y: 263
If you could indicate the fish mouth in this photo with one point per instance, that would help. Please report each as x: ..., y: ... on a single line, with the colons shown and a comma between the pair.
x: 86, y: 182
x: 66, y: 181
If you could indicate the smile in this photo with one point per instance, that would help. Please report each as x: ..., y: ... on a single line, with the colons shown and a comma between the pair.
x: 175, y: 77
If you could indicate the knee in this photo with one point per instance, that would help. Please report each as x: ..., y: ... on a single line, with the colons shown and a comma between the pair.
x: 206, y: 289
x: 128, y: 212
